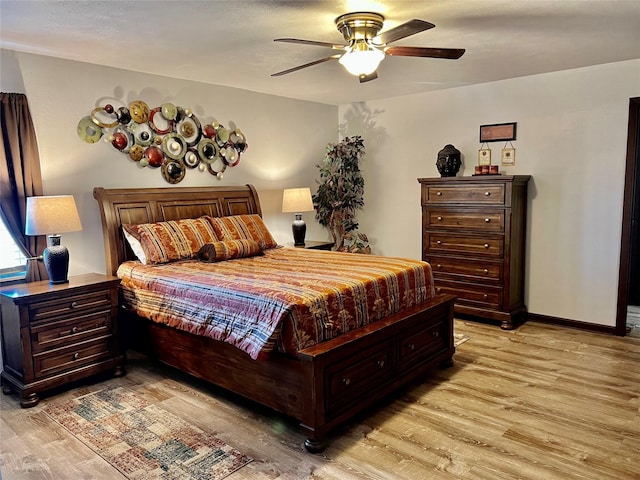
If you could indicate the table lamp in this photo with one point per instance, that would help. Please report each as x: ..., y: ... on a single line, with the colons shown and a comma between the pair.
x: 297, y: 200
x: 51, y: 216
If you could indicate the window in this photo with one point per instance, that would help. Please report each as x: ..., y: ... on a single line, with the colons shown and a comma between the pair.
x: 13, y: 263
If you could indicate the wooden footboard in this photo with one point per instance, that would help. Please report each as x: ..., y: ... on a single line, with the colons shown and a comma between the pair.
x: 330, y: 382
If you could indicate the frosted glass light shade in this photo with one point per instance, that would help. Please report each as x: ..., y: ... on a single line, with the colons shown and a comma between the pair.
x: 361, y: 59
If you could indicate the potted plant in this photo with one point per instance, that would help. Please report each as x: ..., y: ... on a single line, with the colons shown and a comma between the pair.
x: 340, y: 194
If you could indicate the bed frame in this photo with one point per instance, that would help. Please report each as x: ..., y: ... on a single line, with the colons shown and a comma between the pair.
x: 328, y: 383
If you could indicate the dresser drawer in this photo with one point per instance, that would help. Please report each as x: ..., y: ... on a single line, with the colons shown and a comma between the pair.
x: 422, y: 342
x: 466, y: 194
x: 472, y: 294
x: 444, y: 243
x: 466, y: 269
x: 63, y: 332
x: 70, y: 305
x: 487, y: 221
x: 73, y: 356
x: 347, y: 380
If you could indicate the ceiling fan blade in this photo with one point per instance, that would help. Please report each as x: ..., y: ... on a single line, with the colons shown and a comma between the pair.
x: 311, y: 42
x: 401, y: 31
x: 310, y: 64
x: 368, y: 78
x: 450, y: 53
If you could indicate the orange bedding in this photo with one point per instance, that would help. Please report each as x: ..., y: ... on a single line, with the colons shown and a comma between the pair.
x: 287, y: 299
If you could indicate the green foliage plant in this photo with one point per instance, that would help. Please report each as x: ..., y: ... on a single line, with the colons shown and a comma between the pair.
x: 341, y: 194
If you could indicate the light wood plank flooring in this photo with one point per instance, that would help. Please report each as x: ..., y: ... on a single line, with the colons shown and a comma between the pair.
x: 540, y: 402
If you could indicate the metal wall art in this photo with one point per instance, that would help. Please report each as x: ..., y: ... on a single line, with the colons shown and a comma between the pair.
x: 168, y: 137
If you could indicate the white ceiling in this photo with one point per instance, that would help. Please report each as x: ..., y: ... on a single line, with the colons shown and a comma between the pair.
x: 231, y: 42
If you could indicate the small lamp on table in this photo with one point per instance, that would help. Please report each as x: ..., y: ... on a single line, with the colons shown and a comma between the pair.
x: 297, y: 200
x: 52, y: 216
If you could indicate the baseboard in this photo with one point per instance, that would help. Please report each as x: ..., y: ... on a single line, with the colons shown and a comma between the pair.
x: 536, y: 317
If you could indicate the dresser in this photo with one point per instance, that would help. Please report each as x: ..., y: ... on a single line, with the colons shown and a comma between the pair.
x: 473, y: 235
x: 56, y: 334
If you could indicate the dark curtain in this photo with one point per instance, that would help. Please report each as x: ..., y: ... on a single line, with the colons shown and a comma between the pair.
x: 20, y: 176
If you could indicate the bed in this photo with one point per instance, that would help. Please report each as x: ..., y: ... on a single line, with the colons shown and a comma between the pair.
x: 323, y: 385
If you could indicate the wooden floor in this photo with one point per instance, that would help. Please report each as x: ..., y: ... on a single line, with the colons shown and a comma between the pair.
x: 540, y: 402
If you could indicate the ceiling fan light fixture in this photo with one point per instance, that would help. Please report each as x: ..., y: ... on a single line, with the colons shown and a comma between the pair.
x: 361, y: 59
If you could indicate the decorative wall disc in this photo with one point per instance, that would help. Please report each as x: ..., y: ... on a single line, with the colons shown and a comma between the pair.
x: 168, y: 136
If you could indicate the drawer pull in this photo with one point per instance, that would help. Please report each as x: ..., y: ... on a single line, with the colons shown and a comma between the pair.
x: 74, y: 330
x: 486, y: 270
x: 439, y: 219
x: 75, y: 356
x: 438, y: 242
x: 435, y: 333
x: 487, y: 220
x: 381, y: 363
x: 439, y: 194
x: 346, y: 381
x: 411, y: 346
x: 485, y: 296
x: 486, y: 245
x: 73, y: 305
x: 439, y: 290
x: 438, y: 266
x: 487, y: 194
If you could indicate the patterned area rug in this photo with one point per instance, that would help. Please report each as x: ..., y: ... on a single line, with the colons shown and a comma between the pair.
x: 143, y: 441
x: 460, y: 338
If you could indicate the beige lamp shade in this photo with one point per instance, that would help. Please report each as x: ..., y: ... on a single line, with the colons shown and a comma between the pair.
x: 297, y: 200
x: 55, y: 214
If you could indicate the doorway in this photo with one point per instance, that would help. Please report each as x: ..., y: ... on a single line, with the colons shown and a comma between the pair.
x: 629, y: 277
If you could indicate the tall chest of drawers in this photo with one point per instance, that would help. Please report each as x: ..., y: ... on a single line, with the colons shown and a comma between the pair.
x: 473, y: 235
x: 55, y: 334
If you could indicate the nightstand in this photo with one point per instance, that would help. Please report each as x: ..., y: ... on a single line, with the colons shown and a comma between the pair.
x: 315, y: 245
x: 56, y: 334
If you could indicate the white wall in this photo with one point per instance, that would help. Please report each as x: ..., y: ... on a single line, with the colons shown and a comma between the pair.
x: 286, y: 138
x: 571, y: 137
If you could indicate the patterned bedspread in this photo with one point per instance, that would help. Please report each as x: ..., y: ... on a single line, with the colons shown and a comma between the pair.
x: 287, y: 299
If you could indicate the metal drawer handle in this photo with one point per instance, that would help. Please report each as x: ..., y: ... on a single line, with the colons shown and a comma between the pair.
x: 435, y: 333
x: 346, y: 381
x: 439, y: 194
x: 439, y: 242
x: 487, y: 220
x: 439, y: 290
x: 73, y: 305
x: 486, y: 245
x: 74, y: 330
x: 438, y: 266
x: 75, y: 356
x: 486, y: 270
x: 487, y: 194
x: 439, y: 219
x: 411, y: 346
x: 381, y: 363
x: 485, y: 296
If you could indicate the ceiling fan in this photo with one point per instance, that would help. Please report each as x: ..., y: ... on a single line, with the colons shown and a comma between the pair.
x: 366, y: 48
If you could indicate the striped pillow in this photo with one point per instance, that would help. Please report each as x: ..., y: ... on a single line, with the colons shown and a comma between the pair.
x: 164, y: 242
x: 248, y: 227
x: 228, y: 249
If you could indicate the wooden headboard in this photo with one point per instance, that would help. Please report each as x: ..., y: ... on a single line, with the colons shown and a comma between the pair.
x: 120, y: 206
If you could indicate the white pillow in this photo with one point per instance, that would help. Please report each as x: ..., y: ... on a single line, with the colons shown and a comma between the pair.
x: 136, y: 246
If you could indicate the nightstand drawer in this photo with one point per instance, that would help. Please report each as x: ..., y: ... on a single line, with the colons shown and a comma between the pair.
x: 487, y: 221
x: 451, y: 244
x: 69, y: 331
x: 71, y: 357
x: 476, y: 194
x: 70, y: 305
